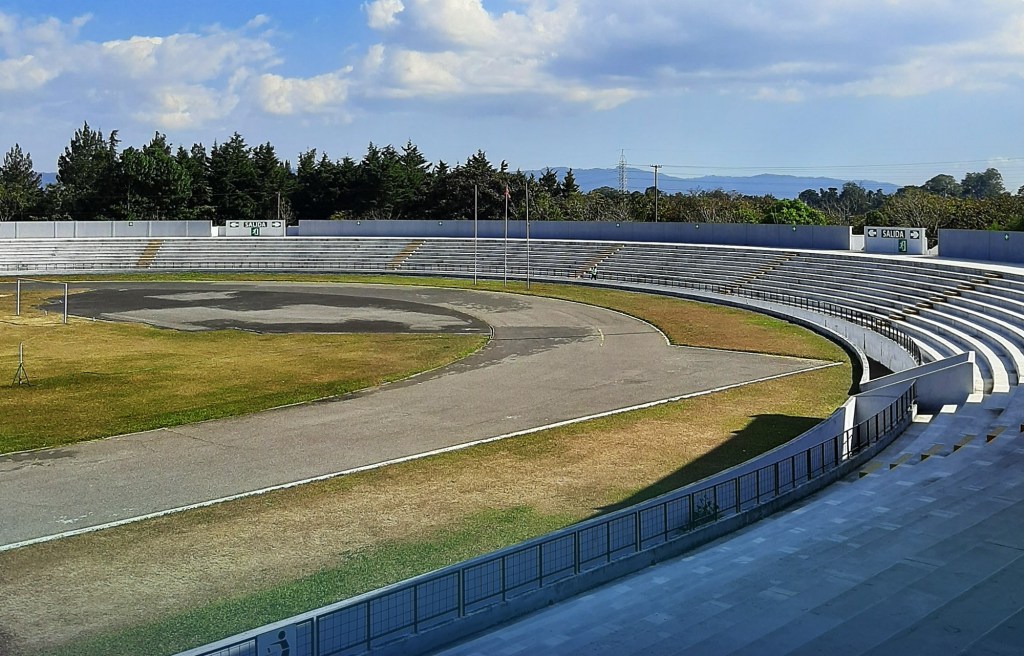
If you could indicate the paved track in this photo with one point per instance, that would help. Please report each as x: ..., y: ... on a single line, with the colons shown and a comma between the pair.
x: 548, y: 361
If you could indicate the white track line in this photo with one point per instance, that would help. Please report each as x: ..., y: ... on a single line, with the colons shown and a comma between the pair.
x: 395, y: 461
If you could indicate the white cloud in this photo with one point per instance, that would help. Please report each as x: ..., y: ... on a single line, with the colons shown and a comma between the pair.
x: 169, y: 81
x: 532, y: 55
x: 446, y: 50
x: 989, y: 62
x: 25, y: 73
x: 601, y: 53
x: 187, y: 106
x: 257, y: 21
x: 185, y: 57
x: 381, y: 14
x: 288, y: 96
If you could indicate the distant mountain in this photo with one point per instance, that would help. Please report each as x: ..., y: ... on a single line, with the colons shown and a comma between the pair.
x: 780, y: 186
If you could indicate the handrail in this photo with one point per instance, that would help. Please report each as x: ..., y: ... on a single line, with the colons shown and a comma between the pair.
x: 409, y: 607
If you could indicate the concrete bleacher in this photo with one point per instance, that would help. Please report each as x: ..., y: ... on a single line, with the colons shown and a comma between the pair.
x: 35, y: 256
x: 281, y: 254
x: 546, y: 258
x: 919, y: 540
x: 923, y: 557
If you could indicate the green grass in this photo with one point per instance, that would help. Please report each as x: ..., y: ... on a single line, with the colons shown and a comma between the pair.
x: 476, y: 500
x: 480, y: 533
x: 483, y: 531
x: 162, y: 378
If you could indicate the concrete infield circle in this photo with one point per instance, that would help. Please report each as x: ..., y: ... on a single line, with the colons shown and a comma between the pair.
x: 270, y: 310
x: 548, y: 361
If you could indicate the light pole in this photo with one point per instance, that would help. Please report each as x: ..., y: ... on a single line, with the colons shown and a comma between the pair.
x: 656, y: 167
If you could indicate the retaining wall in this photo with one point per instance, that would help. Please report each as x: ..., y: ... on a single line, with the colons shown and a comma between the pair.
x: 982, y: 245
x: 72, y: 229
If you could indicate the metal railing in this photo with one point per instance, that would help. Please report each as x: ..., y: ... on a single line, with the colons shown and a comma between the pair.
x: 883, y: 327
x: 406, y: 608
x: 874, y: 323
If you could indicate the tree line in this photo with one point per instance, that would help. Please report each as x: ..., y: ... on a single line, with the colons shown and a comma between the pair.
x: 97, y: 179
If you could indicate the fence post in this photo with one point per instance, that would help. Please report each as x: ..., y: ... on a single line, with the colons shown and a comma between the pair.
x: 461, y: 582
x: 502, y: 577
x: 416, y: 608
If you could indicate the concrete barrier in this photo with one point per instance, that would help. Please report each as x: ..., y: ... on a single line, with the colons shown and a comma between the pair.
x: 102, y: 229
x: 982, y: 245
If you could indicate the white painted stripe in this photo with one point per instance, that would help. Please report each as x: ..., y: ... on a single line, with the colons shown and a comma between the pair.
x: 395, y: 461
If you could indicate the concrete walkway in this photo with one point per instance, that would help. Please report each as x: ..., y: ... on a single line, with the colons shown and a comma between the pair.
x: 549, y: 361
x: 923, y: 558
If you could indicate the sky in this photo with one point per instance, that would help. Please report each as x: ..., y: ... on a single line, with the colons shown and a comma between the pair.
x: 890, y: 90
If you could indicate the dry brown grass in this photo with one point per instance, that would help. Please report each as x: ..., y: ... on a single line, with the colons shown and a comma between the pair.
x: 59, y: 593
x: 167, y: 378
x: 135, y: 574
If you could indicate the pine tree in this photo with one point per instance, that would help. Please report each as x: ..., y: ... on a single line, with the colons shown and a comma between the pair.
x: 86, y: 175
x: 20, y: 193
x: 233, y: 181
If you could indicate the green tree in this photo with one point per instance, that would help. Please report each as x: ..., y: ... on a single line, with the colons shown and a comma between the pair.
x: 478, y: 172
x: 195, y: 162
x: 86, y: 175
x: 275, y: 183
x: 409, y: 181
x: 20, y: 193
x: 236, y: 189
x: 983, y: 185
x: 151, y: 183
x: 793, y: 212
x: 943, y: 185
x: 548, y: 183
x: 916, y: 208
x: 568, y: 186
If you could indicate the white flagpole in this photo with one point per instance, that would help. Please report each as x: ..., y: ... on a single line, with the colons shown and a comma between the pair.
x: 475, y: 230
x: 527, y: 234
x: 506, y: 235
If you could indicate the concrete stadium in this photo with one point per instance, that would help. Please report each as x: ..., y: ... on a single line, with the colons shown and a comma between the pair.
x: 915, y: 546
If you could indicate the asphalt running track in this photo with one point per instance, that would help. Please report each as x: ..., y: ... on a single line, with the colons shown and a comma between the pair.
x: 548, y: 361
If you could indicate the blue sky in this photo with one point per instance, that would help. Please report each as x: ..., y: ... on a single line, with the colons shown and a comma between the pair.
x: 894, y: 90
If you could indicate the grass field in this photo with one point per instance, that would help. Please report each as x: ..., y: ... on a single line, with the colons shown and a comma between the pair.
x: 168, y: 378
x: 160, y: 586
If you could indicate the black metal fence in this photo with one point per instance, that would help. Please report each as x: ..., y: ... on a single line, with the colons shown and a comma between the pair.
x: 404, y: 609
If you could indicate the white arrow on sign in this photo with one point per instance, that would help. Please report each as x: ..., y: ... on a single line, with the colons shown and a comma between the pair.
x: 914, y: 234
x: 872, y: 233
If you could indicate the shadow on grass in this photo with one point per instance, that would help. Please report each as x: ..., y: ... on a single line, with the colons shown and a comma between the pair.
x: 763, y: 433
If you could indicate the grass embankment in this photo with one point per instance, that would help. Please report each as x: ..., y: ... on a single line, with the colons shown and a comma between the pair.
x: 164, y: 585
